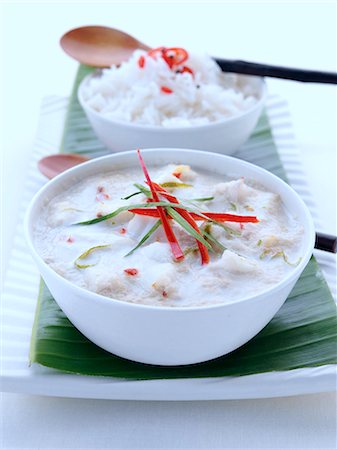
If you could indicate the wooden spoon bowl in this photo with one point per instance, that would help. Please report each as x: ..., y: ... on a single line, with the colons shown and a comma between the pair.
x: 52, y: 165
x: 100, y: 46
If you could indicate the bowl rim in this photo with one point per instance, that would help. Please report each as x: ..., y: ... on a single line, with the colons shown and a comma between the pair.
x: 293, y: 274
x: 159, y: 128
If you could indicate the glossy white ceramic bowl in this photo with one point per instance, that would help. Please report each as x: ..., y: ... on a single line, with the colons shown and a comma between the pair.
x: 224, y: 136
x: 168, y: 335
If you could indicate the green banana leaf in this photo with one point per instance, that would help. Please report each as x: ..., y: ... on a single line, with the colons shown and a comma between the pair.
x: 302, y: 334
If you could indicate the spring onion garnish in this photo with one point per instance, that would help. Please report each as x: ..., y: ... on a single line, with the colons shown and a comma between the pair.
x: 228, y: 230
x: 187, y: 227
x: 189, y: 250
x: 86, y: 254
x: 286, y: 260
x: 201, y: 199
x: 131, y: 195
x: 144, y: 190
x: 264, y: 254
x: 279, y: 254
x: 206, y: 231
x: 174, y: 184
x: 72, y: 209
x: 145, y: 237
x: 208, y: 236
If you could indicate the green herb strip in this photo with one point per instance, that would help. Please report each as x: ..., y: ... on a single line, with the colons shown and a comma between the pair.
x: 187, y: 227
x: 144, y: 190
x: 282, y: 255
x: 202, y: 199
x: 87, y: 253
x: 174, y: 184
x: 135, y: 206
x: 189, y: 250
x: 131, y: 195
x: 214, y: 240
x: 145, y: 237
x: 226, y: 228
x: 286, y: 260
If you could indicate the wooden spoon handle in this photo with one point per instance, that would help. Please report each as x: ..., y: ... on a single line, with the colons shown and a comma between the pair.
x: 264, y: 70
x: 326, y: 242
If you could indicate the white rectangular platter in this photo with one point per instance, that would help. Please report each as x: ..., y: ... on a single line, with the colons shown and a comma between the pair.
x: 21, y: 287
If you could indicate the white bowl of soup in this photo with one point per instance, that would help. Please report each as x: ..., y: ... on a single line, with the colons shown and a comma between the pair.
x: 192, y: 103
x: 98, y: 238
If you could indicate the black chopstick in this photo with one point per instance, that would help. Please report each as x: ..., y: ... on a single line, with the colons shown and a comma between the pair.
x: 326, y: 242
x: 264, y: 70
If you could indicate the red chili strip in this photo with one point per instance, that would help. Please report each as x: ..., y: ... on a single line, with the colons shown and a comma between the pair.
x: 165, y: 193
x: 131, y: 271
x: 166, y: 90
x: 145, y: 212
x: 189, y: 219
x: 154, y: 52
x: 218, y: 217
x: 172, y: 240
x: 222, y: 217
x: 186, y: 69
x: 141, y: 62
x: 174, y: 56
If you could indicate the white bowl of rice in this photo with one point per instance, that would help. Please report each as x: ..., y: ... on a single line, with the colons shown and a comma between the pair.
x: 168, y: 98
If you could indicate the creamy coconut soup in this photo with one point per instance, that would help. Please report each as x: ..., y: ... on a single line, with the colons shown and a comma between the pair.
x: 125, y: 238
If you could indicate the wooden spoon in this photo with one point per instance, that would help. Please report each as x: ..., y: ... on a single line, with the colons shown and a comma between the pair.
x: 100, y: 46
x: 103, y: 46
x: 53, y: 165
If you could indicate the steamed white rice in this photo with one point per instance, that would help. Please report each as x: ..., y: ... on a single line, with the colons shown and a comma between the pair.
x: 129, y: 93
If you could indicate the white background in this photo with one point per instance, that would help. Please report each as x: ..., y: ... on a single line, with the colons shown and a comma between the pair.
x: 299, y: 34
